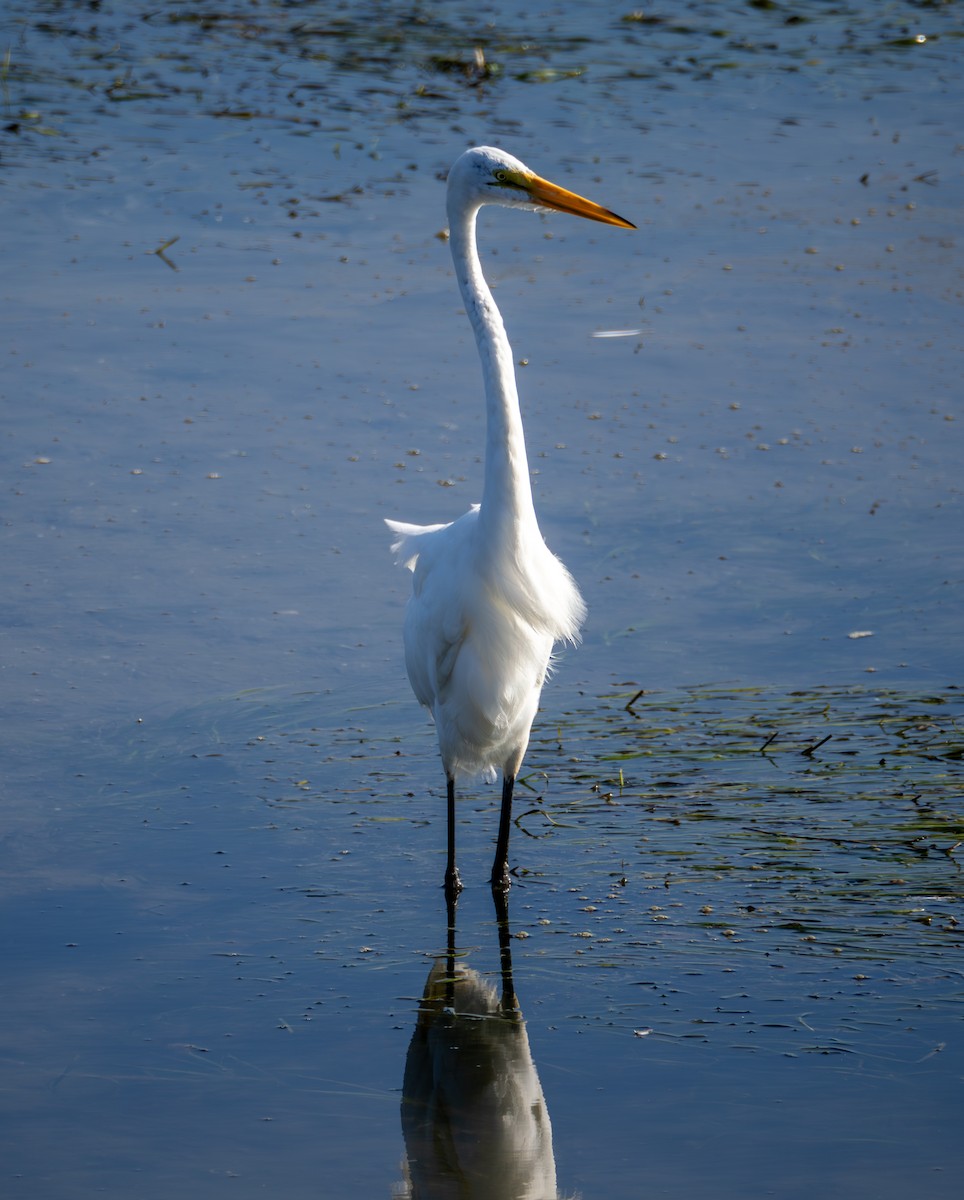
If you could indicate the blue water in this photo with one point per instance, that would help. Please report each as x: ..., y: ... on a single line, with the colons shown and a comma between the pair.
x: 221, y: 809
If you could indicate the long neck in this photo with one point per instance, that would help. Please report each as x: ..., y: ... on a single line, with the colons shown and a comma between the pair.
x: 506, y: 492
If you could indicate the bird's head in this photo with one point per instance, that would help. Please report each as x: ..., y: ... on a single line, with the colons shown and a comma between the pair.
x: 487, y: 175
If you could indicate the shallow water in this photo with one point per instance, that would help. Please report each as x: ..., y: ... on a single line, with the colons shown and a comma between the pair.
x: 735, y: 943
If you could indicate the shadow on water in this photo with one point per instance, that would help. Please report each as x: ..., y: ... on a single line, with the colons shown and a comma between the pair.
x: 474, y: 1115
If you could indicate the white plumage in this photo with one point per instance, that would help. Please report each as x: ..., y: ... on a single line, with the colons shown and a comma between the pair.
x: 489, y: 599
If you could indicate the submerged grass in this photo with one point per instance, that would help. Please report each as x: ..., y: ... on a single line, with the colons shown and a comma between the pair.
x: 828, y: 809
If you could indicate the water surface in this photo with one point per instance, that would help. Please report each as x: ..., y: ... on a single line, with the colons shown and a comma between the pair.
x: 234, y: 345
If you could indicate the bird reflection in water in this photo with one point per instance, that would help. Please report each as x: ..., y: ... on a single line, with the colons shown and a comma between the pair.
x: 474, y: 1117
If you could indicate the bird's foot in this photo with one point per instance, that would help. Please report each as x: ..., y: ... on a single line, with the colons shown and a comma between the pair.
x: 501, y: 880
x: 453, y: 884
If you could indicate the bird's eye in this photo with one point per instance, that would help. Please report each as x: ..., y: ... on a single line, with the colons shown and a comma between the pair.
x: 501, y: 177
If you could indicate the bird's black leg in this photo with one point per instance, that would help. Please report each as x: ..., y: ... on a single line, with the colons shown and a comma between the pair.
x: 453, y: 885
x: 500, y: 868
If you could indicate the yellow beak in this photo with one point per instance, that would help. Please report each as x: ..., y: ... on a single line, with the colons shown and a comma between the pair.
x: 550, y: 195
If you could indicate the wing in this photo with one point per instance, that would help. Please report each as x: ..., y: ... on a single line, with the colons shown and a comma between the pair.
x: 407, y: 545
x: 435, y: 620
x: 479, y: 630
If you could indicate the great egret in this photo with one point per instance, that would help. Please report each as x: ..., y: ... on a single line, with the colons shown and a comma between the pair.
x: 489, y: 598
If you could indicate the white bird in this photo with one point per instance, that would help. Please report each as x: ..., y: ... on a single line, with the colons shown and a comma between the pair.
x: 489, y: 598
